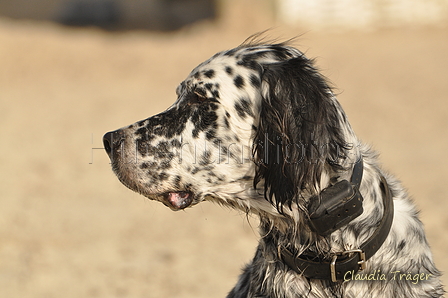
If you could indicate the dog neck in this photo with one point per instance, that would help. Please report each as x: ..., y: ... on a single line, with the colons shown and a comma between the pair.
x: 300, y: 247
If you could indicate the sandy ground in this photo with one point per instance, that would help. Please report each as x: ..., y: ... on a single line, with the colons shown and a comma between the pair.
x: 68, y: 228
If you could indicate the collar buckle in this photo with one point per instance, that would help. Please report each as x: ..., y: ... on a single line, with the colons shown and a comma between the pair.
x: 361, y: 262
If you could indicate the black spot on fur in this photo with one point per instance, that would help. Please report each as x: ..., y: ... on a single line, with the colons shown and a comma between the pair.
x: 153, y: 175
x: 212, y: 174
x: 163, y: 153
x: 230, y: 53
x: 209, y: 73
x: 203, y: 118
x: 176, y: 143
x: 243, y: 108
x: 224, y: 150
x: 211, y: 134
x: 401, y: 245
x: 229, y: 70
x: 216, y: 55
x: 279, y: 52
x: 156, y: 126
x: 176, y: 181
x: 163, y: 176
x: 226, y: 123
x: 239, y: 81
x: 255, y: 81
x: 144, y: 148
x: 164, y: 165
x: 246, y: 104
x: 233, y: 156
x: 217, y: 142
x: 250, y: 61
x: 205, y: 158
x: 213, y: 106
x: 239, y: 109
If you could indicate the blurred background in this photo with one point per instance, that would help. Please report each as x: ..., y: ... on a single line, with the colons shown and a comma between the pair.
x: 72, y: 70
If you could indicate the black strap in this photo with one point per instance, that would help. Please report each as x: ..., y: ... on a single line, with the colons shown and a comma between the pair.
x: 344, y: 261
x: 358, y: 169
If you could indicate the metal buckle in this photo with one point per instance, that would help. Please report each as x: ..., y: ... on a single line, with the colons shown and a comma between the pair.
x: 333, y: 268
x: 361, y: 262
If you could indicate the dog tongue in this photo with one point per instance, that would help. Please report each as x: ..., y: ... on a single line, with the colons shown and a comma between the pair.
x: 179, y: 200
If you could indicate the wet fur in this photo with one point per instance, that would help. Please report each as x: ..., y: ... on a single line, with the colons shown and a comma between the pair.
x: 258, y: 128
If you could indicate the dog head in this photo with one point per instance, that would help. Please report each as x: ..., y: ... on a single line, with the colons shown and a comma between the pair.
x: 256, y: 128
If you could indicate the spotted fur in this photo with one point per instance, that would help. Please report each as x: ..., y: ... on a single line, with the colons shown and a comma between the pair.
x: 258, y: 128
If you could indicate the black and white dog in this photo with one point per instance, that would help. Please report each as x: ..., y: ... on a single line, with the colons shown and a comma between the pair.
x: 258, y: 129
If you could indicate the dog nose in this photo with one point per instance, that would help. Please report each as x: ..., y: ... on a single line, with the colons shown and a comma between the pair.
x: 112, y: 140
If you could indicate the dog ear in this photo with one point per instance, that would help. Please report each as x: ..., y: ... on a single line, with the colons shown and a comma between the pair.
x: 299, y: 132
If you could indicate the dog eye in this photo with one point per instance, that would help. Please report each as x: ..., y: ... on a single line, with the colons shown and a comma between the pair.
x: 197, y: 96
x: 200, y: 95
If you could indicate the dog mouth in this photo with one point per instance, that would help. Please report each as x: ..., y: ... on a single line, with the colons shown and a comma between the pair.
x: 174, y: 199
x: 178, y: 200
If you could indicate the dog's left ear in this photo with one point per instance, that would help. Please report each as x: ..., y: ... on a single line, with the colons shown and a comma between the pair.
x: 299, y: 132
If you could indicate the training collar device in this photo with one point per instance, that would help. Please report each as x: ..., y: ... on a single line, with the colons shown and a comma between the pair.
x: 337, y: 205
x: 338, y: 213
